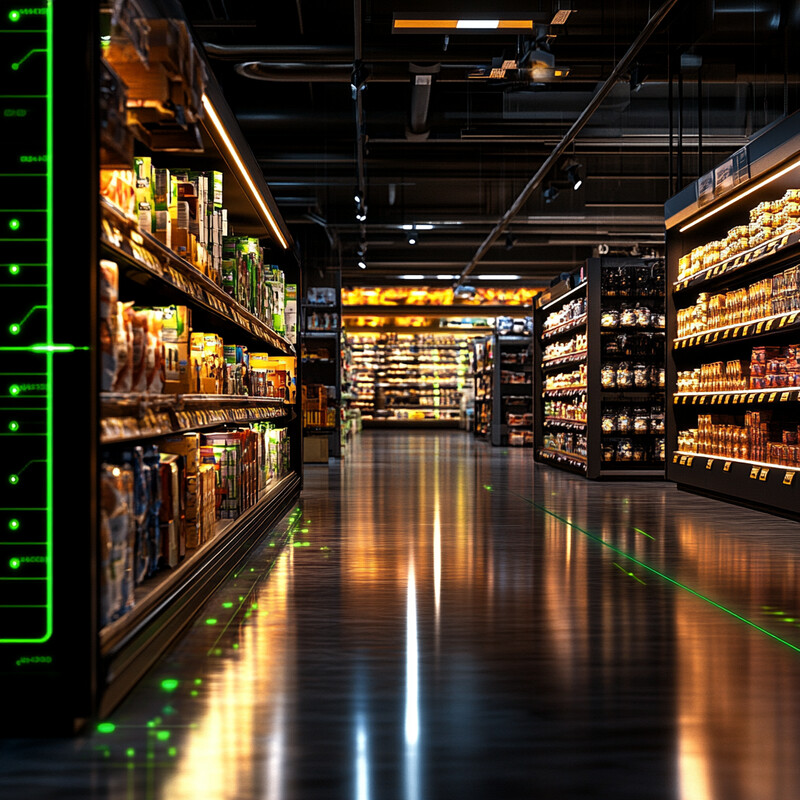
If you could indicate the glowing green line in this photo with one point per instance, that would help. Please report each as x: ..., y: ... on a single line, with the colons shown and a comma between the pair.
x: 658, y: 573
x: 33, y: 308
x: 49, y: 477
x: 24, y: 58
x: 23, y: 210
x: 32, y: 461
x: 639, y: 530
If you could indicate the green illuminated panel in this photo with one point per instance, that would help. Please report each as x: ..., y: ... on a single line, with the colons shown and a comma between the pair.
x: 27, y: 346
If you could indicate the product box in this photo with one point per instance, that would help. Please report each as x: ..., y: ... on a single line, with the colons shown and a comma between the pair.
x: 290, y: 315
x: 143, y: 188
x: 170, y: 512
x: 163, y: 187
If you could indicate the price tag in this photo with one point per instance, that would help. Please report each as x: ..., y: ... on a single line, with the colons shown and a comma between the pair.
x: 782, y: 322
x: 763, y: 474
x: 683, y: 343
x: 703, y: 400
x: 716, y: 336
x: 754, y: 473
x: 675, y: 458
x: 736, y: 332
x: 785, y: 396
x: 788, y: 478
x: 675, y: 400
x: 709, y: 463
x: 726, y: 334
x: 683, y: 461
x: 761, y: 397
x: 726, y: 467
x: 707, y: 337
x: 771, y: 398
x: 689, y: 461
x: 760, y: 326
x: 785, y: 240
x: 694, y: 400
x: 727, y: 399
x: 793, y: 317
x: 750, y: 398
x: 769, y: 324
x: 683, y: 401
x: 714, y: 399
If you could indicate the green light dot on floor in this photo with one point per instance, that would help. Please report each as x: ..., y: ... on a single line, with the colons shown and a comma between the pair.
x: 194, y: 693
x: 14, y: 224
x: 13, y: 389
x: 198, y: 681
x: 235, y: 646
x: 252, y: 569
x: 14, y: 563
x: 13, y: 524
x: 218, y: 651
x: 14, y: 16
x: 169, y: 684
x: 272, y: 544
x: 151, y: 724
x: 172, y: 752
x: 13, y: 479
x: 162, y: 736
x: 13, y: 329
x: 790, y: 619
x: 248, y: 615
x: 227, y: 605
x: 306, y: 544
x: 13, y: 269
x: 211, y: 621
x: 168, y: 710
x: 106, y: 727
x: 254, y: 605
x: 130, y: 752
x: 297, y: 544
x: 13, y: 426
x: 303, y: 530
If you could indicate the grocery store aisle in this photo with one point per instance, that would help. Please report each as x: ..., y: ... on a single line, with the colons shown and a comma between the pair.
x: 446, y: 621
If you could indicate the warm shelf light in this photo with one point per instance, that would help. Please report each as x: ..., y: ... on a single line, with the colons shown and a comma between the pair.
x: 401, y: 24
x: 234, y: 154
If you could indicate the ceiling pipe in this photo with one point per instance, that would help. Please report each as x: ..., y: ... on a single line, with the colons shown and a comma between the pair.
x: 550, y: 162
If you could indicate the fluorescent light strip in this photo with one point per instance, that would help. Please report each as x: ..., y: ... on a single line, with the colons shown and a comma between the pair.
x: 739, y: 196
x: 462, y: 24
x: 498, y: 277
x: 411, y: 277
x: 478, y: 24
x: 223, y: 134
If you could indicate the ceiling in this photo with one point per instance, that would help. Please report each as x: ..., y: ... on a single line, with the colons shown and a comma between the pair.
x: 455, y: 152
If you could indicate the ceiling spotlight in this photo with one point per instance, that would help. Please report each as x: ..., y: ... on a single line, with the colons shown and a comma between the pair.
x: 412, y: 238
x: 362, y: 265
x: 573, y: 175
x: 550, y: 193
x: 511, y: 240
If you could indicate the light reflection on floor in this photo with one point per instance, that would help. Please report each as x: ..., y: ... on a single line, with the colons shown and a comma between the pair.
x: 445, y: 621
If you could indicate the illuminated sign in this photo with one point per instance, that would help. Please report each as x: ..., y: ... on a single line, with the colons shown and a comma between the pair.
x: 414, y: 296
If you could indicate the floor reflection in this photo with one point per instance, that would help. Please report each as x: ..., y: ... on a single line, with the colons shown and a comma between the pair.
x: 439, y: 619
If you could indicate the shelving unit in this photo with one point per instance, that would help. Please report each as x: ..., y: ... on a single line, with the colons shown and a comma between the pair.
x: 409, y: 380
x: 57, y: 655
x: 322, y: 343
x: 734, y: 327
x: 598, y: 370
x: 502, y: 373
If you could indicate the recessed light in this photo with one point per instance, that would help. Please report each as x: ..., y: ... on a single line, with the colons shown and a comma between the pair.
x: 411, y: 277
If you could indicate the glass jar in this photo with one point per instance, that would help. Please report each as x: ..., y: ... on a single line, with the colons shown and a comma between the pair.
x: 609, y: 318
x: 642, y: 316
x: 627, y: 317
x: 608, y: 376
x: 641, y: 376
x: 608, y: 422
x: 624, y: 375
x: 624, y: 420
x: 641, y: 420
x: 624, y: 450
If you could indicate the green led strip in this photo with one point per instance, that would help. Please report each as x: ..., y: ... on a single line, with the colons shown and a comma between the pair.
x: 48, y: 349
x: 658, y: 573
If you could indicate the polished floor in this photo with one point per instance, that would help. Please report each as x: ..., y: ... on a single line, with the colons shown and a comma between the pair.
x: 438, y: 619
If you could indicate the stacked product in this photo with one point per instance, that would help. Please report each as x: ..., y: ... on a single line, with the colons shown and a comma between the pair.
x: 560, y: 350
x: 556, y: 411
x: 768, y: 368
x: 570, y: 312
x: 576, y: 379
x: 753, y: 437
x: 319, y: 406
x: 769, y: 220
x: 761, y: 300
x: 183, y: 210
x: 161, y: 501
